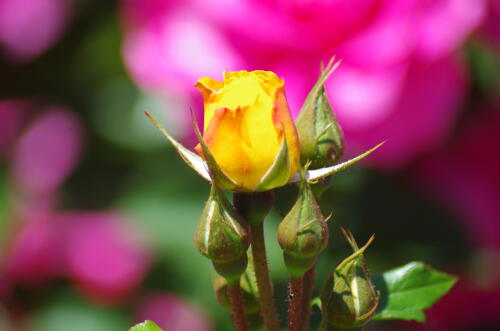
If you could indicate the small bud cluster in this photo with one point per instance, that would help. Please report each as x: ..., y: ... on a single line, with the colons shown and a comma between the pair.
x: 225, y: 230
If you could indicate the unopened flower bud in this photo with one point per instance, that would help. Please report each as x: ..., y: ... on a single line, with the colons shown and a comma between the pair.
x: 348, y: 298
x: 221, y: 237
x: 320, y: 136
x: 303, y: 233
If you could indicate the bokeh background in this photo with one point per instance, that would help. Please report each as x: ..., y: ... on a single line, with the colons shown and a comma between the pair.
x: 97, y: 212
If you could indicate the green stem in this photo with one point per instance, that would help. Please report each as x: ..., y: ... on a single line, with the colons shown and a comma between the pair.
x: 264, y: 284
x: 295, y: 303
x: 307, y: 289
x: 238, y: 309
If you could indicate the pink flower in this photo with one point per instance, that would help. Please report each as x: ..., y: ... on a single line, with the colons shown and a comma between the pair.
x: 98, y: 251
x: 172, y: 313
x: 401, y: 78
x: 29, y: 27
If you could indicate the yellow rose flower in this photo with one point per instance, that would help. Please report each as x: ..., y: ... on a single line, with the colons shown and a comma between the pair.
x: 246, y: 120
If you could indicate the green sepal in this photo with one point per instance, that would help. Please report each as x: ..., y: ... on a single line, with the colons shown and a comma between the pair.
x: 279, y: 172
x: 216, y: 173
x: 321, y: 138
x: 348, y: 297
x: 316, y: 174
x: 221, y: 237
x: 408, y: 290
x: 192, y: 159
x: 146, y: 326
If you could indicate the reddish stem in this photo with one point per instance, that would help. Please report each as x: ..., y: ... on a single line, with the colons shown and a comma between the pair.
x: 264, y: 284
x: 307, y: 289
x: 294, y: 304
x: 237, y: 307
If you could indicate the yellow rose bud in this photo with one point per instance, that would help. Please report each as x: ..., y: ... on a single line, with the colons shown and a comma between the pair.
x: 246, y: 120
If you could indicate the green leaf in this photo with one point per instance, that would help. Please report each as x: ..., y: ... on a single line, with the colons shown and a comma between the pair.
x: 408, y: 290
x: 146, y: 326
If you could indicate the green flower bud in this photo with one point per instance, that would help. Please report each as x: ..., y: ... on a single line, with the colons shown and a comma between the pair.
x: 254, y: 206
x: 221, y: 237
x: 303, y: 233
x: 320, y: 136
x: 348, y: 298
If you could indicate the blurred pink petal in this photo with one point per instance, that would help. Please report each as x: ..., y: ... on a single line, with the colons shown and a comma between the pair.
x: 422, y: 118
x: 445, y: 25
x: 172, y: 314
x: 12, y: 113
x: 390, y: 39
x: 466, y: 177
x: 29, y: 27
x: 365, y: 98
x: 295, y: 26
x: 174, y: 49
x: 491, y: 28
x: 291, y: 70
x: 47, y: 152
x: 104, y: 256
x: 35, y: 254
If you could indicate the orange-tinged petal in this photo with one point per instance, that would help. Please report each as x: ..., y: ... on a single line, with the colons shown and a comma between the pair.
x: 282, y: 116
x: 208, y: 87
x: 246, y: 120
x: 223, y: 138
